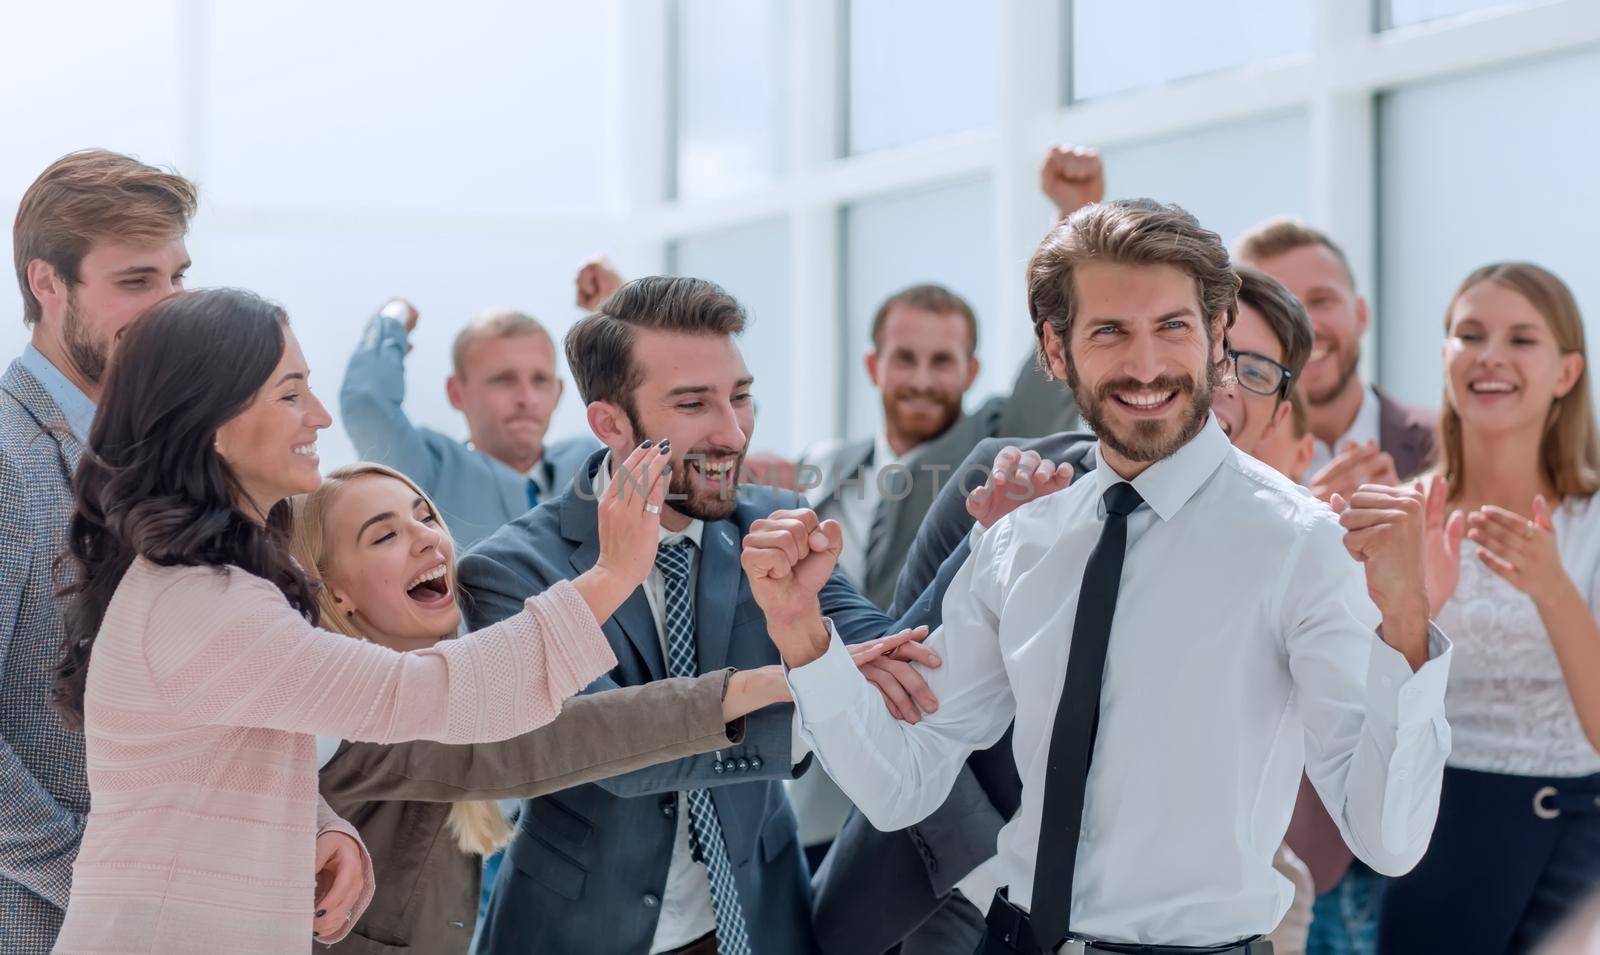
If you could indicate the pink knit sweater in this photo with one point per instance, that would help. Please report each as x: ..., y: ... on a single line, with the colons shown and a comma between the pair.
x: 204, y: 694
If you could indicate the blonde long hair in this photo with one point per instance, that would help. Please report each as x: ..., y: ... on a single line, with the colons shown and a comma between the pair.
x: 1569, y: 452
x: 477, y: 826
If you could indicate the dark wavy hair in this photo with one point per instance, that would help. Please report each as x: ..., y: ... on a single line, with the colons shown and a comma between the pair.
x: 151, y: 483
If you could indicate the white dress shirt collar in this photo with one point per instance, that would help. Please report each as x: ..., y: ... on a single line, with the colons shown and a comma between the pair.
x: 1168, y: 484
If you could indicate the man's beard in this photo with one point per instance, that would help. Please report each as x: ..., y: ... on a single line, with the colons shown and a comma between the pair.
x: 913, y: 428
x: 1347, y: 373
x: 683, y: 496
x: 86, y: 354
x: 1148, y: 442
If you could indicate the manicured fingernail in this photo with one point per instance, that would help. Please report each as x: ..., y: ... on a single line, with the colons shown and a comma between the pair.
x: 646, y: 445
x: 321, y: 913
x: 665, y: 448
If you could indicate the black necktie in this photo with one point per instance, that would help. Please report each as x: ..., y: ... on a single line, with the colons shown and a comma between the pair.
x: 1077, y: 719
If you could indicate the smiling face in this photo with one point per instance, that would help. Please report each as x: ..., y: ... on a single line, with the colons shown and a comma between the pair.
x: 1503, y: 367
x: 508, y: 390
x: 694, y: 391
x: 117, y: 282
x: 388, y: 563
x: 923, y: 365
x: 1141, y: 359
x: 1245, y: 416
x: 1316, y: 276
x: 271, y: 446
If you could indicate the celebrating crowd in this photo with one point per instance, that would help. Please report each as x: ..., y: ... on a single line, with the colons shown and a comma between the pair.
x: 1193, y: 642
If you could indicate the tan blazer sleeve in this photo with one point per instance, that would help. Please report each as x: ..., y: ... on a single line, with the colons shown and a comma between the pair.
x: 596, y: 736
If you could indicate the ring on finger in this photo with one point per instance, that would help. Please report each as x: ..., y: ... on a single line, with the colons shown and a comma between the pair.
x: 653, y: 508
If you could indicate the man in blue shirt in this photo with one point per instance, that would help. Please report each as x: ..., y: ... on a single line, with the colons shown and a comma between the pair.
x: 99, y: 239
x: 504, y: 382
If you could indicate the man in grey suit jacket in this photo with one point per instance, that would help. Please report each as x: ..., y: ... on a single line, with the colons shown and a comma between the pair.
x: 697, y: 855
x: 77, y: 294
x: 504, y: 382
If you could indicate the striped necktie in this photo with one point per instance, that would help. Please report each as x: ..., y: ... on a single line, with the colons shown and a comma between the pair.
x: 705, y: 830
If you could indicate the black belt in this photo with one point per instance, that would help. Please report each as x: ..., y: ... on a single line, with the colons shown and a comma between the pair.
x: 1010, y: 932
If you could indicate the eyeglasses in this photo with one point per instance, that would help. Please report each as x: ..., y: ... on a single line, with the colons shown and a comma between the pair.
x: 1260, y: 374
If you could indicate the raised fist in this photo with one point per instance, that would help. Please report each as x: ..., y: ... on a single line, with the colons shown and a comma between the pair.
x: 1073, y: 177
x: 597, y: 279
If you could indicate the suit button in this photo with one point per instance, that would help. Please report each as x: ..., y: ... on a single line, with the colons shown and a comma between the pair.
x: 744, y: 764
x: 755, y: 763
x: 718, y: 767
x: 650, y: 901
x: 669, y: 809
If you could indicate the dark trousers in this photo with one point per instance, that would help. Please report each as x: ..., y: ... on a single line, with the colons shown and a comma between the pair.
x: 1497, y: 877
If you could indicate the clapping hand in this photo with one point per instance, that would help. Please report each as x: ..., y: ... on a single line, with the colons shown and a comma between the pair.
x: 629, y: 514
x: 1017, y: 478
x: 1520, y: 549
x: 1355, y: 465
x: 1442, y: 537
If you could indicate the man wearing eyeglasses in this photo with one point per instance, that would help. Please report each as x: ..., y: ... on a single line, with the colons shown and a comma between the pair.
x: 946, y: 856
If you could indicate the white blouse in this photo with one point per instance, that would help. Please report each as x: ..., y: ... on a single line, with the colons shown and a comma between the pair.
x: 1508, y: 706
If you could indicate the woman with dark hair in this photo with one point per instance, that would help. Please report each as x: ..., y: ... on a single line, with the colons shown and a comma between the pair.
x: 208, y: 676
x: 1514, y: 578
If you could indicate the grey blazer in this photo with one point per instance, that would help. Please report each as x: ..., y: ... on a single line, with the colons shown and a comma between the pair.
x: 1036, y: 406
x: 476, y: 492
x: 586, y: 869
x: 44, y: 795
x: 875, y: 888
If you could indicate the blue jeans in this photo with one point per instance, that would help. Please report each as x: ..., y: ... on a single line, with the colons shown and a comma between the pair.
x: 491, y: 871
x: 1344, y: 919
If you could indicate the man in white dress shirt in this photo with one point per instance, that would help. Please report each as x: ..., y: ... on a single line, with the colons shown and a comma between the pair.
x: 1229, y: 642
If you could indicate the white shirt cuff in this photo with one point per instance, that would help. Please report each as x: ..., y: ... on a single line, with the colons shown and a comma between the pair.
x: 799, y: 749
x: 825, y: 687
x: 1401, y: 698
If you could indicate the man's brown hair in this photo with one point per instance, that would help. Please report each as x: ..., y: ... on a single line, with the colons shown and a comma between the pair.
x: 1283, y: 234
x: 600, y: 347
x: 1287, y: 318
x: 94, y: 194
x: 491, y: 324
x: 1126, y: 232
x: 927, y: 297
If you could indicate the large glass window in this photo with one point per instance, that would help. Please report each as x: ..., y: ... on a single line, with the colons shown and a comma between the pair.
x: 1406, y: 12
x: 58, y: 64
x: 729, y: 60
x: 1473, y: 170
x: 449, y: 277
x: 752, y: 263
x: 1230, y: 177
x: 492, y: 109
x: 920, y: 68
x: 943, y: 234
x: 1121, y: 45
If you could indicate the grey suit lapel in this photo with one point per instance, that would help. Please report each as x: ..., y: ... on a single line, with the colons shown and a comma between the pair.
x: 31, y: 395
x: 716, y: 591
x: 843, y: 462
x: 580, y: 524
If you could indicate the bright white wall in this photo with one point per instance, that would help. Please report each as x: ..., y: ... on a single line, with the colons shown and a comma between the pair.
x: 465, y: 156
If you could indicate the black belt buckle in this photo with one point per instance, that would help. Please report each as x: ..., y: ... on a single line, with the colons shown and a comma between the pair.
x: 1009, y: 928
